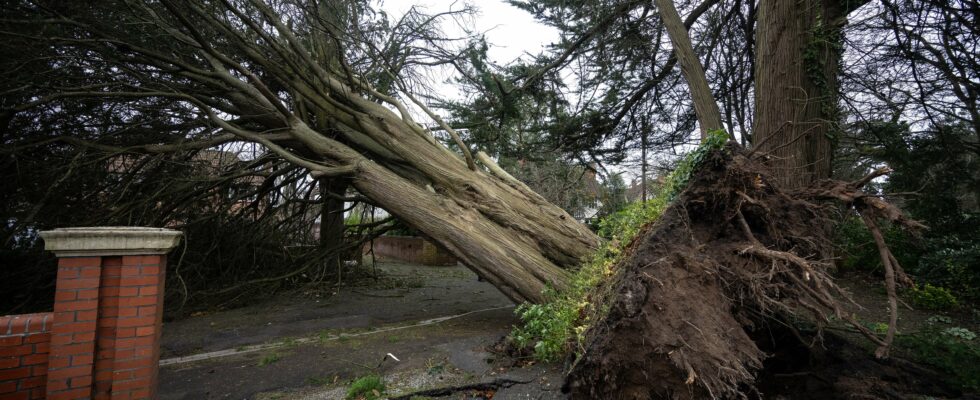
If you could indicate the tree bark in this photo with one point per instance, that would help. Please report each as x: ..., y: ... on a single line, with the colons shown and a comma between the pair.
x: 798, y: 51
x: 709, y: 116
x: 332, y: 226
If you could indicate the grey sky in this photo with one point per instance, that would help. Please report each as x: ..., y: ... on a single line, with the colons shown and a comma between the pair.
x: 511, y: 31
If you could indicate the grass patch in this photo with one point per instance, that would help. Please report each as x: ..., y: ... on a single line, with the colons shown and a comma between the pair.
x: 368, y: 387
x: 269, y: 359
x: 557, y: 327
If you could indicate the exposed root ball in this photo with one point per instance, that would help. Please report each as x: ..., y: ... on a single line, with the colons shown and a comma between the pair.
x: 731, y: 251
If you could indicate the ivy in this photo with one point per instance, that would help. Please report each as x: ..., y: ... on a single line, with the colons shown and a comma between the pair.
x: 557, y: 327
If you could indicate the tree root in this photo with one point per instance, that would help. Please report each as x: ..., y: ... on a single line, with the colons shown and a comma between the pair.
x: 733, y: 252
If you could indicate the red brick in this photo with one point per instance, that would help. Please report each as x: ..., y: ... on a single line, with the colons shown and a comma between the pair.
x: 82, y: 360
x: 73, y: 394
x: 106, y: 342
x: 37, y: 338
x: 141, y: 260
x: 125, y: 332
x: 146, y: 330
x: 74, y: 349
x: 9, y: 362
x: 144, y: 351
x: 38, y: 393
x: 125, y: 375
x: 142, y: 364
x: 109, y: 302
x: 150, y: 269
x: 111, y: 278
x: 34, y: 359
x: 14, y: 340
x: 112, y: 261
x: 149, y: 291
x: 79, y: 261
x: 58, y: 362
x: 70, y: 372
x: 33, y: 382
x: 103, y: 376
x: 15, y: 351
x: 131, y: 311
x: 39, y: 370
x: 76, y: 305
x: 68, y: 273
x: 125, y: 354
x: 129, y: 291
x: 87, y: 315
x: 16, y: 373
x: 137, y: 301
x: 43, y: 347
x: 89, y: 272
x: 58, y: 384
x: 65, y: 295
x: 8, y: 386
x: 141, y: 280
x: 72, y: 327
x: 80, y: 283
x: 133, y: 343
x: 83, y: 337
x: 143, y: 393
x: 137, y: 383
x: 81, y: 381
x: 87, y: 293
x: 15, y: 396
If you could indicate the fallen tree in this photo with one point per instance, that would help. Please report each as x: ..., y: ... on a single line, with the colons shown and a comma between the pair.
x: 733, y: 252
x: 256, y: 71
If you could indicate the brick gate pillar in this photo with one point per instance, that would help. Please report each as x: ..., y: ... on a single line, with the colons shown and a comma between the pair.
x: 105, y: 335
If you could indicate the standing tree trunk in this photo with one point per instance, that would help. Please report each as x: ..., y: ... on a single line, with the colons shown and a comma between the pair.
x: 332, y: 227
x: 797, y: 60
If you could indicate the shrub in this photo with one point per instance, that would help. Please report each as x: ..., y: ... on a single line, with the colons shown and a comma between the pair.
x: 932, y: 297
x: 368, y: 387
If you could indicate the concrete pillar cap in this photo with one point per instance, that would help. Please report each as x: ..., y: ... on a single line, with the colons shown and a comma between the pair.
x: 110, y: 241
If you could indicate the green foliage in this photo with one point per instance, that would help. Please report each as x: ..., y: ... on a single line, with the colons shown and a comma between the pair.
x: 625, y: 223
x: 951, y: 354
x: 880, y: 328
x: 942, y: 171
x: 368, y: 387
x: 558, y: 325
x: 932, y: 297
x: 269, y: 359
x: 677, y: 180
x: 960, y: 333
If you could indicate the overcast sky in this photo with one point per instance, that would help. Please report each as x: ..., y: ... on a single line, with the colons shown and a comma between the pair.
x: 512, y: 32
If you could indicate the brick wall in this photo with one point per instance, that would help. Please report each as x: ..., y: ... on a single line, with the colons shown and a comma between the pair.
x: 102, y: 340
x: 411, y: 249
x: 24, y: 342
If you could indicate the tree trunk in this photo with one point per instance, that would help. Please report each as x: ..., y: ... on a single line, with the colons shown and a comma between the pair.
x: 798, y: 51
x: 709, y: 116
x: 332, y: 226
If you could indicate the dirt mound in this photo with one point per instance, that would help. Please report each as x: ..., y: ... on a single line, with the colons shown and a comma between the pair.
x: 733, y: 252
